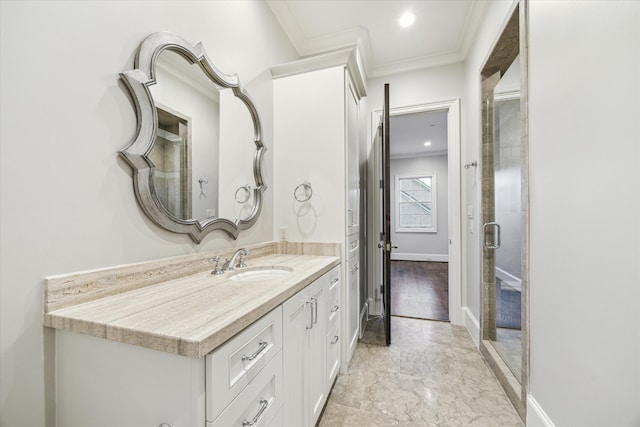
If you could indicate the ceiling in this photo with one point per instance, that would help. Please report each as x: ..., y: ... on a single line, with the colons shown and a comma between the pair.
x: 409, y: 132
x: 442, y: 32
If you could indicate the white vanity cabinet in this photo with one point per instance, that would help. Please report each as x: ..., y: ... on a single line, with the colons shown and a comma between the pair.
x: 333, y: 328
x: 304, y: 352
x: 276, y: 371
x: 352, y: 268
x: 244, y: 376
x: 102, y: 383
x: 317, y: 114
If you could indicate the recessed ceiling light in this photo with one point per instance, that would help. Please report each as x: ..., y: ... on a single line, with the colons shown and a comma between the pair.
x: 407, y: 20
x: 427, y: 144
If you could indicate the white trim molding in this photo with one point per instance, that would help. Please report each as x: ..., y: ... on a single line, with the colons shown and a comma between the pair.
x: 536, y: 417
x: 453, y: 199
x: 472, y: 324
x: 364, y: 315
x: 395, y: 256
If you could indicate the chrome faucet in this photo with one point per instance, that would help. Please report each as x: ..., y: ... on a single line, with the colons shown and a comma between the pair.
x: 229, y: 264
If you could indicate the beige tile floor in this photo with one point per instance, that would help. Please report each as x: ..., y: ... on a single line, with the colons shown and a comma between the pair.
x: 431, y: 375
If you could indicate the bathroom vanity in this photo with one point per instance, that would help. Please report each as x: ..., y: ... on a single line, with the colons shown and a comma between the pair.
x: 166, y: 343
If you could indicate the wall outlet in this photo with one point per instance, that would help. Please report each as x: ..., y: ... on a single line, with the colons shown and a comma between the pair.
x: 211, y: 213
x: 283, y: 233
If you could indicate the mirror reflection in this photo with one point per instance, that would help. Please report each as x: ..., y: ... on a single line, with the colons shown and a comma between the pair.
x: 197, y: 154
x: 204, y: 150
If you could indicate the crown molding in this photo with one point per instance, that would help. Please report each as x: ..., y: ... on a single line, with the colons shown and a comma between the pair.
x: 348, y: 58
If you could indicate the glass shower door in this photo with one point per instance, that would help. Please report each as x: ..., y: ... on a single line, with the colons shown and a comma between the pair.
x: 503, y: 217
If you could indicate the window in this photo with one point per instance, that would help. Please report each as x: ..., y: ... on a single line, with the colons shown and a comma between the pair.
x: 416, y: 203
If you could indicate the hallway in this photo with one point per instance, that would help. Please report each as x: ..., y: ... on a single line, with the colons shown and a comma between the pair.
x: 431, y: 375
x: 420, y: 290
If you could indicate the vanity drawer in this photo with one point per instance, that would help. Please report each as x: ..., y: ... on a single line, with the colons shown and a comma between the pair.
x: 232, y: 366
x: 259, y: 403
x: 334, y: 285
x: 333, y: 309
x: 333, y: 299
x: 354, y: 246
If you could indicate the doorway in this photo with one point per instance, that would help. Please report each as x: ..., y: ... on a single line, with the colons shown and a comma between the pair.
x: 452, y: 264
x: 419, y: 215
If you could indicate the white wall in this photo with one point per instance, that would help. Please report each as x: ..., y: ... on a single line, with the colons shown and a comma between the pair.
x: 67, y: 200
x: 421, y: 245
x: 585, y: 212
x: 416, y: 87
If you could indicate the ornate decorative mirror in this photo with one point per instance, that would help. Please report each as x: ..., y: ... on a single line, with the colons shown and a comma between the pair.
x: 197, y: 154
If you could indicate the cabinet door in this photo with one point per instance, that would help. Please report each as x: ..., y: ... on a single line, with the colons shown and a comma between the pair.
x: 295, y: 348
x: 353, y: 161
x: 104, y: 383
x: 317, y: 347
x: 333, y: 354
x: 353, y: 311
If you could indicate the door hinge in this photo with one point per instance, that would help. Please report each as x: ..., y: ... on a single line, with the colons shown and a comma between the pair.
x: 382, y: 183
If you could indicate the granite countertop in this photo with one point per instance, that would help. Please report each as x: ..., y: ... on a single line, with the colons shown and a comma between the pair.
x: 192, y: 315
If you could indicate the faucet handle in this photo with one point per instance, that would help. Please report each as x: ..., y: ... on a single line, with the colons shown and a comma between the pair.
x: 241, y: 263
x: 243, y: 253
x: 217, y: 270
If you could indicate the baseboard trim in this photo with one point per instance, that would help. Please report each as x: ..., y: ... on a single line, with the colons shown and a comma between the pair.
x: 364, y: 315
x: 536, y: 417
x: 419, y: 257
x: 472, y: 324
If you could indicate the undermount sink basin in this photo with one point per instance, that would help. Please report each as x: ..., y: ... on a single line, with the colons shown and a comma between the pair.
x: 261, y: 273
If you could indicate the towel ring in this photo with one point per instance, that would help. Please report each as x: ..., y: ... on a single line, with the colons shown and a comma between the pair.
x: 303, y: 196
x: 247, y: 193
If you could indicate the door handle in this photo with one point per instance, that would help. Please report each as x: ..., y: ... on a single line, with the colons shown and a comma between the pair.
x: 496, y: 239
x: 387, y: 246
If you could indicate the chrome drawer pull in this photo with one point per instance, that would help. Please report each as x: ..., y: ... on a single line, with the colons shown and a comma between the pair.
x: 335, y: 339
x: 315, y: 310
x: 310, y: 324
x: 334, y: 281
x: 334, y: 308
x: 262, y: 345
x: 254, y: 421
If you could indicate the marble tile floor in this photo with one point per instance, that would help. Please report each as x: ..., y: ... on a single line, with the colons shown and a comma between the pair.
x: 431, y: 375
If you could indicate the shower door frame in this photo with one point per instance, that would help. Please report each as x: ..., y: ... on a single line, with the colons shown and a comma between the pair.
x: 512, y: 39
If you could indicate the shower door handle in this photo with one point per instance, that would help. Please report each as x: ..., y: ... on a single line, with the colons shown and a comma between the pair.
x: 496, y: 239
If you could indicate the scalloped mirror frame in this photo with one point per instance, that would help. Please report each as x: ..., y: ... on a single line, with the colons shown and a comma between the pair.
x: 136, y: 153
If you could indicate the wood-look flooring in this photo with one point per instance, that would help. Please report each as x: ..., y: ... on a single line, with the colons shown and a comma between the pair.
x: 420, y: 289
